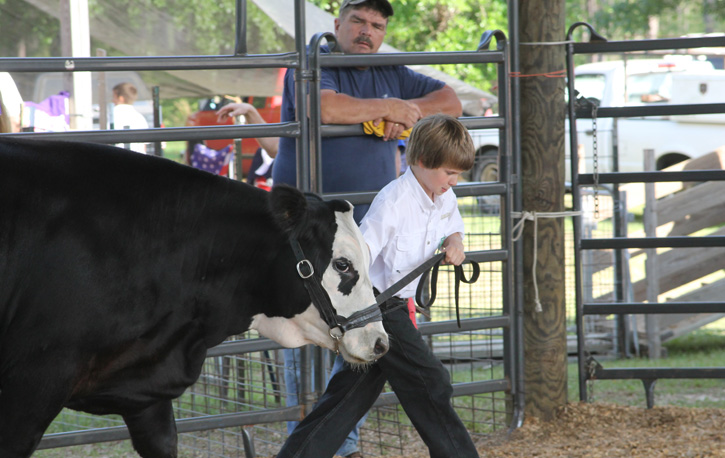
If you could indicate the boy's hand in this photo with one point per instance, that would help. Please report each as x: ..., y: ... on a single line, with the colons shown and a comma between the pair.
x: 453, y: 248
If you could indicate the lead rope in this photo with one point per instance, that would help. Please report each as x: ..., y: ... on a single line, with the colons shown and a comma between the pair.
x: 459, y: 277
x: 518, y: 231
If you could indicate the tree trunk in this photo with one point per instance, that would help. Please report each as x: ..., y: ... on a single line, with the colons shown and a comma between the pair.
x: 542, y: 173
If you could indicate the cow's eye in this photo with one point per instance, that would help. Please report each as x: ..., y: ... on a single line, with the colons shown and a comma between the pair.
x: 342, y: 265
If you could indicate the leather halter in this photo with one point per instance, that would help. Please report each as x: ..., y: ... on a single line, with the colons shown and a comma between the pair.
x: 338, y: 324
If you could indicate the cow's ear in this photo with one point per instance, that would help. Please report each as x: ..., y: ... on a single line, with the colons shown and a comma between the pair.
x: 288, y: 206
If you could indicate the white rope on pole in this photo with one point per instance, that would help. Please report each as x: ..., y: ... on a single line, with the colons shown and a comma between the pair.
x: 518, y: 231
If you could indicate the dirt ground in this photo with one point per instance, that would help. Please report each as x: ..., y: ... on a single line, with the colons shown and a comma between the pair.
x: 580, y: 430
x: 606, y: 430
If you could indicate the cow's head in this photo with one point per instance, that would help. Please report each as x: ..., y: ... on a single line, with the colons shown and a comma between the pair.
x: 333, y: 244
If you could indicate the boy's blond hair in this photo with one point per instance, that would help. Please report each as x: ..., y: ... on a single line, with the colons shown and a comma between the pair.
x: 440, y: 140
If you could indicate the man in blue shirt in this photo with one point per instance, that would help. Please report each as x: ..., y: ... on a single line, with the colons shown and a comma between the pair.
x: 393, y: 94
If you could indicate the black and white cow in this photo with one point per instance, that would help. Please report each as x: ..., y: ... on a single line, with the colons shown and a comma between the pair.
x: 119, y: 270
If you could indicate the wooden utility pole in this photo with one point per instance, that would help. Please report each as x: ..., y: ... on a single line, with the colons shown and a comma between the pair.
x: 542, y: 23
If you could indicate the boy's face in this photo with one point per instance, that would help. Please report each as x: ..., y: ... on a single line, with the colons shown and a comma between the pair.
x: 437, y: 181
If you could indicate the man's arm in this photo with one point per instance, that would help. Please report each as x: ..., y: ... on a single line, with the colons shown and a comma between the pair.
x: 338, y: 108
x: 399, y: 114
x: 444, y: 100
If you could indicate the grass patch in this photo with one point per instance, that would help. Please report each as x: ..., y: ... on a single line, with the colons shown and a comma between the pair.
x: 703, y: 341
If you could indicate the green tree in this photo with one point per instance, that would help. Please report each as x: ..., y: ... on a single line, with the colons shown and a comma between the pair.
x: 207, y: 26
x: 453, y: 25
x: 633, y: 19
x: 27, y: 31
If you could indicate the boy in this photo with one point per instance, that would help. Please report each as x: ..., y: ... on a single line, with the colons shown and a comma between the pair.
x: 408, y: 220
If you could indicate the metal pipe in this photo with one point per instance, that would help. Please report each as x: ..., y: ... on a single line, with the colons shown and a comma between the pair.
x: 240, y: 46
x: 576, y: 220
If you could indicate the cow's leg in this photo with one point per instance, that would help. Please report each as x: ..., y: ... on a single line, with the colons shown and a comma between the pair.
x: 153, y: 431
x: 26, y: 411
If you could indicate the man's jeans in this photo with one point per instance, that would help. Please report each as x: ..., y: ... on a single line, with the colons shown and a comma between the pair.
x: 292, y: 375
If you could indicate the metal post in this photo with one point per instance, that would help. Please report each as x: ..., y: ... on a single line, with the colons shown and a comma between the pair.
x: 652, y: 323
x: 240, y: 46
x: 302, y: 78
x: 618, y: 261
x: 315, y: 112
x: 156, y: 96
x: 102, y: 95
x: 576, y: 220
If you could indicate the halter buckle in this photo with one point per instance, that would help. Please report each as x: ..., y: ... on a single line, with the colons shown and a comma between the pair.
x: 307, y: 263
x: 336, y: 335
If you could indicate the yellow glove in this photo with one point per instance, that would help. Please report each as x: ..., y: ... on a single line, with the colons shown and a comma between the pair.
x: 379, y: 130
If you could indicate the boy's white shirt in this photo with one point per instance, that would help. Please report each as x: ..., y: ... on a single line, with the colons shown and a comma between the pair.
x: 404, y: 227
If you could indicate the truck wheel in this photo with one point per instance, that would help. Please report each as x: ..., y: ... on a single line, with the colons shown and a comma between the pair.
x: 670, y: 159
x: 486, y: 167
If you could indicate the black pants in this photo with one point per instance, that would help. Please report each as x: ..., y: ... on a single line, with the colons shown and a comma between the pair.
x: 418, y: 378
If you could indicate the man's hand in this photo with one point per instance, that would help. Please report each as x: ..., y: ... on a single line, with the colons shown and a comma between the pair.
x: 392, y: 130
x: 402, y: 112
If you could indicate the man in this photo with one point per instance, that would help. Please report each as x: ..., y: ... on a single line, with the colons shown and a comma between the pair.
x: 394, y: 94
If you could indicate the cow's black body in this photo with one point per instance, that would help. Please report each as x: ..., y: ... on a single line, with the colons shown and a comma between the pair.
x: 119, y: 270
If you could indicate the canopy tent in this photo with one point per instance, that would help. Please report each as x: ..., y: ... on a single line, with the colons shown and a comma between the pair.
x: 158, y: 37
x: 163, y: 39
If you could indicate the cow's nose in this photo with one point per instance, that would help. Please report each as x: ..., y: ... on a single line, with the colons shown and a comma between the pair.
x: 381, y: 347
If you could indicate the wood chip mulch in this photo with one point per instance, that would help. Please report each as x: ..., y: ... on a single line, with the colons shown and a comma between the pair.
x: 605, y: 430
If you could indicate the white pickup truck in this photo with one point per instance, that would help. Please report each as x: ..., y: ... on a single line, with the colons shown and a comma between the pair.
x: 675, y: 79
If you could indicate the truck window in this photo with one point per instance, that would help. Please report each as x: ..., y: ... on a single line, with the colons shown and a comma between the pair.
x: 649, y: 87
x: 591, y: 86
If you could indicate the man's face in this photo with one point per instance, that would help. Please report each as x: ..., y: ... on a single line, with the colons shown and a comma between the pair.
x: 360, y: 31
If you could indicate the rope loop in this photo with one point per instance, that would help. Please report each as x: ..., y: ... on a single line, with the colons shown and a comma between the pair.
x: 518, y: 231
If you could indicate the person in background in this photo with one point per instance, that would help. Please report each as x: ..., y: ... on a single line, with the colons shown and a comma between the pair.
x: 260, y: 171
x: 400, y: 161
x: 12, y: 104
x: 125, y: 116
x: 392, y: 98
x: 251, y: 116
x: 418, y: 212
